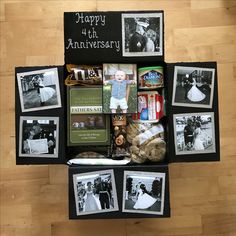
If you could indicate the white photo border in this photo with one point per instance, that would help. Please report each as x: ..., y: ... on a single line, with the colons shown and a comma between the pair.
x: 142, y: 54
x: 111, y: 172
x: 192, y: 104
x: 145, y: 174
x: 177, y: 153
x: 55, y: 70
x: 22, y: 118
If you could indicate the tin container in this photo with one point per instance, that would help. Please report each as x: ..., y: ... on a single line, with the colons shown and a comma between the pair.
x: 151, y: 77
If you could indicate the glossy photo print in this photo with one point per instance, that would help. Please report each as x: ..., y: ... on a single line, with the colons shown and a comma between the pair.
x: 39, y: 90
x: 95, y: 192
x: 142, y: 34
x: 194, y: 133
x: 193, y: 87
x: 119, y: 88
x: 38, y: 136
x: 143, y: 192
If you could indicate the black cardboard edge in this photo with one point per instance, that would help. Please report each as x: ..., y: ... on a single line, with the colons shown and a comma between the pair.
x: 118, y: 173
x: 160, y: 58
x: 57, y: 112
x: 171, y: 110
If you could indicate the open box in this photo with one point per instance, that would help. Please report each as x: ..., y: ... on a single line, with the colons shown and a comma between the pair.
x: 109, y: 27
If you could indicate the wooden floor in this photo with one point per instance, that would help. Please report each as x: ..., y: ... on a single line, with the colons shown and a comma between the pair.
x: 203, y: 195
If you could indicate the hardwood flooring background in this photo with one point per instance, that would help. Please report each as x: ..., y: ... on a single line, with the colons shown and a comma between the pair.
x: 203, y: 195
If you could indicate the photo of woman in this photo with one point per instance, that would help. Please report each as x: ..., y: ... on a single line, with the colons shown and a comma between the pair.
x: 142, y: 34
x: 38, y: 136
x: 143, y: 192
x: 95, y: 192
x: 144, y: 200
x: 193, y: 87
x: 91, y: 204
x: 194, y: 133
x: 45, y: 92
x: 39, y: 90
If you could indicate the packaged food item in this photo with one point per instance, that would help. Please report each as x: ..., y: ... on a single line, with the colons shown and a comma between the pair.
x: 147, y: 142
x: 86, y: 75
x: 151, y: 77
x: 120, y: 146
x: 150, y: 107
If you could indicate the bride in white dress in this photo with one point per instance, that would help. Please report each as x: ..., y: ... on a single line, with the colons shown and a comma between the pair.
x: 90, y: 204
x: 144, y: 200
x: 194, y: 94
x: 45, y: 92
x: 198, y: 143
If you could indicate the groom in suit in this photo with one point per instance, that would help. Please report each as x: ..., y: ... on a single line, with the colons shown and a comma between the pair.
x: 104, y: 191
x: 188, y: 134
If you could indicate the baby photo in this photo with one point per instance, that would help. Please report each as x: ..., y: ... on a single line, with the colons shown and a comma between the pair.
x: 119, y: 88
x: 144, y: 192
x: 194, y: 133
x: 95, y: 192
x: 193, y: 87
x: 38, y: 136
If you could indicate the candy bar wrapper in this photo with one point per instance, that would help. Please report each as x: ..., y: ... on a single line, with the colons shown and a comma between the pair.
x: 86, y: 75
x: 150, y: 107
x: 120, y: 146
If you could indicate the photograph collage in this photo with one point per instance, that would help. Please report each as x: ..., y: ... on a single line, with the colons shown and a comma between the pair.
x: 123, y: 120
x: 39, y: 135
x: 143, y: 192
x: 194, y: 133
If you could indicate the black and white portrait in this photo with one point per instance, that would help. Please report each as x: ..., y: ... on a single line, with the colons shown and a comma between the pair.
x: 39, y: 90
x: 95, y: 192
x: 38, y: 136
x: 193, y: 87
x: 142, y: 34
x: 194, y: 133
x: 143, y: 192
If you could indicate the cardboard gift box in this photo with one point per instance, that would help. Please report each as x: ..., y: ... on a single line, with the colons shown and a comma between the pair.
x: 95, y: 38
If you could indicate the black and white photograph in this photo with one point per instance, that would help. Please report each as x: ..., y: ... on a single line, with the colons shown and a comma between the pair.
x: 39, y: 90
x: 95, y: 192
x: 38, y: 136
x: 193, y: 87
x: 194, y: 133
x: 143, y: 192
x: 142, y: 34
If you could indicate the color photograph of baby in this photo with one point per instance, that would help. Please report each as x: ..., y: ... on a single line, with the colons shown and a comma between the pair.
x: 119, y: 88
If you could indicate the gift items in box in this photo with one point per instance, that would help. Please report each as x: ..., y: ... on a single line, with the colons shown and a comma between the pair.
x: 117, y: 114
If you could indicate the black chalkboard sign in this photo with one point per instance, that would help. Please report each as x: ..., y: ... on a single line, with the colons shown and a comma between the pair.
x: 96, y: 37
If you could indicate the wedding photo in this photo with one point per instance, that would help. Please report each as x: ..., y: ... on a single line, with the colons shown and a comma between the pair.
x: 38, y: 136
x: 194, y: 133
x: 39, y: 90
x: 143, y: 192
x: 193, y: 87
x: 142, y: 34
x: 95, y: 192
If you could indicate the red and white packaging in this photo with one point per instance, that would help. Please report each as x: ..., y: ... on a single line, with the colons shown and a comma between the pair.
x: 150, y: 107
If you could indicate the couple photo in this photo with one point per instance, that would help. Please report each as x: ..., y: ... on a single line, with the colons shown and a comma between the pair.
x: 39, y: 136
x: 39, y: 90
x: 194, y: 133
x: 142, y: 34
x: 94, y: 193
x: 143, y: 192
x: 193, y: 87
